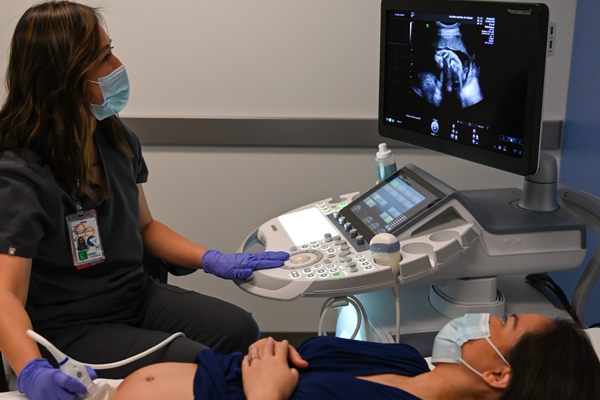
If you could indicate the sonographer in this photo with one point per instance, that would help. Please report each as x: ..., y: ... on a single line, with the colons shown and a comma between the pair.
x: 70, y: 169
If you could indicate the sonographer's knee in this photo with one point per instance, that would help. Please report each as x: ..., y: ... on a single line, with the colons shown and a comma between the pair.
x: 249, y: 333
x: 243, y: 332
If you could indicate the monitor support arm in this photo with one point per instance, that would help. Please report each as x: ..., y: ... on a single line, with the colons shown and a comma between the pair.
x: 539, y: 189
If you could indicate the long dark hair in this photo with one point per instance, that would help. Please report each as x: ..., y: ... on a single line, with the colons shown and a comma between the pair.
x: 556, y: 363
x: 54, y: 46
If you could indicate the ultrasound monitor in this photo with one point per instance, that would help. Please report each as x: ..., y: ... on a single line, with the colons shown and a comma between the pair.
x: 465, y: 78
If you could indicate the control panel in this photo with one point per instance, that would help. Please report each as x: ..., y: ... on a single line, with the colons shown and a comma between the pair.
x: 328, y: 241
x: 329, y: 257
x: 336, y: 263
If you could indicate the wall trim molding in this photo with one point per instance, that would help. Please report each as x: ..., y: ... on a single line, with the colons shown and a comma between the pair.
x: 280, y: 132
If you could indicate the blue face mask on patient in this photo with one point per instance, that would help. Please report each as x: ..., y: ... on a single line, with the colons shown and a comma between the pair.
x: 115, y: 90
x: 448, y: 342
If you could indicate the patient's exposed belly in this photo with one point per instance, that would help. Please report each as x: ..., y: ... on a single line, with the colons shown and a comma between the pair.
x: 159, y: 382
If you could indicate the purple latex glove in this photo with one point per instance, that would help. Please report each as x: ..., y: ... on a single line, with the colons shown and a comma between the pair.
x: 240, y: 265
x: 41, y: 381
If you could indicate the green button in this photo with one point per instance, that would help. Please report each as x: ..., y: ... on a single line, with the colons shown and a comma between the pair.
x: 337, y: 274
x: 342, y: 204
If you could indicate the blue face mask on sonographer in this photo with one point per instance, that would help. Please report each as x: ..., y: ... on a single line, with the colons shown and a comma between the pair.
x: 448, y: 342
x: 115, y: 90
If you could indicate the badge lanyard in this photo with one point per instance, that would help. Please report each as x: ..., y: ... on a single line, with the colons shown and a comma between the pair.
x: 85, y: 237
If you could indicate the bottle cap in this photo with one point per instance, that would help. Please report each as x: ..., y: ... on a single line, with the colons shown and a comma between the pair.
x: 383, y: 151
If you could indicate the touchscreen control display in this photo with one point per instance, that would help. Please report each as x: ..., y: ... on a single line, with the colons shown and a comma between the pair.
x: 391, y: 204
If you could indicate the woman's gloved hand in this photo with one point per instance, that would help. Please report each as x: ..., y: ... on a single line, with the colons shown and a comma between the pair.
x: 41, y: 381
x: 240, y: 265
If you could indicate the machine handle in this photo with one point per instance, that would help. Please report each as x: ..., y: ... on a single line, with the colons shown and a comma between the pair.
x: 250, y: 240
x: 582, y: 200
x: 586, y: 208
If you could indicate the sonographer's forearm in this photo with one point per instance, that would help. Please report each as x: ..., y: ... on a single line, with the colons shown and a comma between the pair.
x: 16, y: 347
x: 165, y: 244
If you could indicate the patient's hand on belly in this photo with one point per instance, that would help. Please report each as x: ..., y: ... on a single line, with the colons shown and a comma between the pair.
x: 159, y: 381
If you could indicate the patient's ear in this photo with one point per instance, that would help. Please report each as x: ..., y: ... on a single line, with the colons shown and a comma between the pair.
x: 498, y: 378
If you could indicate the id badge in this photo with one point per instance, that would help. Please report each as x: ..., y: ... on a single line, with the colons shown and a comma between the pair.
x: 85, y: 239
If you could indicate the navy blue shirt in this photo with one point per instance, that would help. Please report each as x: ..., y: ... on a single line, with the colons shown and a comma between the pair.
x: 33, y: 207
x: 333, y: 365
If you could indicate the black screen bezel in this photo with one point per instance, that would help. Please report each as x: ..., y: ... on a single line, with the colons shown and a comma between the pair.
x: 528, y: 164
x: 413, y: 180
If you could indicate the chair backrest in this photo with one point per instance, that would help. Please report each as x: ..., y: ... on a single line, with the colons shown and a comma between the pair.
x: 160, y: 269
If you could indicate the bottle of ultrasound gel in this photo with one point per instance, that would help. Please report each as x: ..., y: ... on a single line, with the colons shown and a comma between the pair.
x: 386, y: 162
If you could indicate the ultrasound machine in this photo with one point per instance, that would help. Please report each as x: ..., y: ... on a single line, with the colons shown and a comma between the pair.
x: 464, y: 78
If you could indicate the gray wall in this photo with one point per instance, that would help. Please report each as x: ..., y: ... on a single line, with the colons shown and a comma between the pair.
x: 266, y: 59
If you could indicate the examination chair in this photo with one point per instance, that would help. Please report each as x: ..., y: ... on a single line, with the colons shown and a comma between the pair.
x: 157, y: 269
x: 160, y: 269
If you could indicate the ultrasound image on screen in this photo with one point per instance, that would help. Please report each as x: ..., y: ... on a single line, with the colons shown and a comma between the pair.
x: 455, y: 76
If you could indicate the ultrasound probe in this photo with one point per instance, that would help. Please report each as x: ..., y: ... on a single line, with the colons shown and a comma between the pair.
x: 77, y: 370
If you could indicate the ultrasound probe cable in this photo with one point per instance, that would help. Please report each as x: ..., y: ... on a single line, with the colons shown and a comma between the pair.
x: 77, y: 370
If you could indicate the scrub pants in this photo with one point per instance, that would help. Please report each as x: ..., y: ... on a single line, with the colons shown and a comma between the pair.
x: 206, y: 322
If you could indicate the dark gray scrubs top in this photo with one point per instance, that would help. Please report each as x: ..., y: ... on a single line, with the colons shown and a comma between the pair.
x: 33, y: 207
